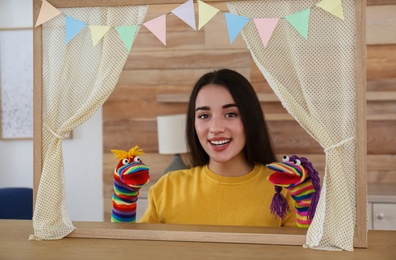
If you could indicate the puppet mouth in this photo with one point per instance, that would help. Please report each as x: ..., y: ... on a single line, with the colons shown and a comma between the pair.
x: 137, y: 179
x: 135, y: 175
x: 283, y: 178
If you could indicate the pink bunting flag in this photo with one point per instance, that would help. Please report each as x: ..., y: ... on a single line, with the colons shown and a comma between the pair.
x: 186, y: 13
x: 47, y: 12
x: 266, y: 27
x: 158, y: 27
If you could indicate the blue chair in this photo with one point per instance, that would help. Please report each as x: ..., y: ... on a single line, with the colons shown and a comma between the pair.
x: 16, y: 203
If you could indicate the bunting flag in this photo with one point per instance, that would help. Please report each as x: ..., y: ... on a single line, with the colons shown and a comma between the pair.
x: 97, y: 32
x: 73, y: 27
x: 158, y: 27
x: 127, y: 35
x: 186, y: 13
x: 266, y: 27
x: 206, y: 13
x: 235, y: 24
x: 300, y: 21
x: 332, y: 6
x: 47, y: 12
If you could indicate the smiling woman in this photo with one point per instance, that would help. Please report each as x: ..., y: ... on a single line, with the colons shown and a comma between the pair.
x: 229, y: 145
x: 58, y: 111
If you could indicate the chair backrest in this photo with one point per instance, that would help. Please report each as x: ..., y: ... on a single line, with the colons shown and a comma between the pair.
x: 16, y: 203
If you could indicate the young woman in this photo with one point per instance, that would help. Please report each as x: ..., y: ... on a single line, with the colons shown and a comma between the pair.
x: 230, y: 145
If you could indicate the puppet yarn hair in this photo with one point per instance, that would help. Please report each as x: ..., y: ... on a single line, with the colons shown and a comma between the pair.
x: 130, y: 175
x: 299, y: 177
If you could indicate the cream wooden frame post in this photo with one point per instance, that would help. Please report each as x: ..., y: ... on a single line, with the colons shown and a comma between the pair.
x: 256, y: 235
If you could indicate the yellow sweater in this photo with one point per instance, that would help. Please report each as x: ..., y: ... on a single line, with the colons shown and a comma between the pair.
x: 199, y: 196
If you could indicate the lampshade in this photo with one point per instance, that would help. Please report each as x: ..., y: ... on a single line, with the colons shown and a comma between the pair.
x: 171, y: 134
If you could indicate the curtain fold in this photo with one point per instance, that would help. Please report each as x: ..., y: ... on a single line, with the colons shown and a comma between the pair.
x: 77, y: 79
x: 315, y: 80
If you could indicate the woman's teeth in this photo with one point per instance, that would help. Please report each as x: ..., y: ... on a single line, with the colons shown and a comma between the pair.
x: 222, y: 142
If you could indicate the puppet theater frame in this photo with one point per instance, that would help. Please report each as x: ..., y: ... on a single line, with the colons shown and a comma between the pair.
x: 192, y: 233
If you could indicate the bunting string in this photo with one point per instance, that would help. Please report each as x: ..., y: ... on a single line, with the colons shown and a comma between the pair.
x: 157, y: 26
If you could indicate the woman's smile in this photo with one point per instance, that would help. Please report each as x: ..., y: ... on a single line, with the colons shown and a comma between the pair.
x: 220, y: 144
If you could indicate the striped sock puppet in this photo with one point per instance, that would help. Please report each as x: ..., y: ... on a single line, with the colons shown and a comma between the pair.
x: 130, y: 175
x: 298, y: 176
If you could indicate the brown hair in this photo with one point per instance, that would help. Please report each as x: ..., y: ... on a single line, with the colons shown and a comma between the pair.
x: 258, y: 147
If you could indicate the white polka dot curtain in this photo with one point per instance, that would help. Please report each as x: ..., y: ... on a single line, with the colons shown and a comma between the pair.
x: 77, y: 80
x: 315, y: 80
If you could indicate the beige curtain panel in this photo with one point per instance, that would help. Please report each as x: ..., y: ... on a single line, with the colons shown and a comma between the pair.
x: 77, y: 80
x: 315, y: 80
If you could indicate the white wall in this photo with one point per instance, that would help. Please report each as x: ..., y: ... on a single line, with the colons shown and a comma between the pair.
x: 83, y: 158
x: 16, y: 13
x: 82, y: 154
x: 83, y: 168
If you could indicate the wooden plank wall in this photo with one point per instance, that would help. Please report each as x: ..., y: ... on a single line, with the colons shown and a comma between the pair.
x: 152, y: 70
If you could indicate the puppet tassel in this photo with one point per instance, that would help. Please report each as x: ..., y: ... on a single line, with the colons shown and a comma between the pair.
x: 315, y: 196
x: 279, y: 205
x: 314, y: 203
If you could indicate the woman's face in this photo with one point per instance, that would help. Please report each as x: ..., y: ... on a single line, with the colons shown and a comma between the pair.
x: 219, y: 125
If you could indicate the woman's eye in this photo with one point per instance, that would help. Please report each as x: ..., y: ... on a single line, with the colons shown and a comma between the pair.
x: 231, y: 114
x: 203, y: 116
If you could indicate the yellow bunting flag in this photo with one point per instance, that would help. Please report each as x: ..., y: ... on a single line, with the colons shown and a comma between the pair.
x: 97, y: 32
x: 332, y: 6
x: 47, y: 12
x: 206, y: 13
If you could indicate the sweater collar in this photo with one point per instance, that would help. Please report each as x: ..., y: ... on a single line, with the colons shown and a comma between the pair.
x: 238, y: 179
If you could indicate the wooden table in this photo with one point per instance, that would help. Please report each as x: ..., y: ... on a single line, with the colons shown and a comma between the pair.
x: 14, y: 244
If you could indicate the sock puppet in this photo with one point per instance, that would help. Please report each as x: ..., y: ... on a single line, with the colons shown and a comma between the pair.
x: 298, y: 176
x: 130, y: 175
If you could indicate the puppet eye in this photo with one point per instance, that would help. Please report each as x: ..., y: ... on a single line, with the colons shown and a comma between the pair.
x: 137, y: 159
x: 297, y: 162
x: 285, y: 158
x: 125, y: 161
